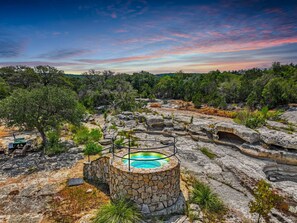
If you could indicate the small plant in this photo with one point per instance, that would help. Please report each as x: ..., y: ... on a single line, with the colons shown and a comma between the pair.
x: 208, y: 153
x: 54, y: 146
x: 265, y: 200
x: 95, y: 134
x: 205, y: 198
x: 118, y: 211
x: 251, y: 119
x: 92, y: 148
x: 192, y: 119
x: 83, y: 135
x: 119, y: 142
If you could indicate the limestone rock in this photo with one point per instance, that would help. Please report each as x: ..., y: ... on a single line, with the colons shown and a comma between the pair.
x: 241, y: 131
x: 290, y: 115
x: 278, y: 138
x: 155, y: 121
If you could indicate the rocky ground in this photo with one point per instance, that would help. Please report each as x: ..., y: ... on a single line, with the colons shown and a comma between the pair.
x: 28, y: 185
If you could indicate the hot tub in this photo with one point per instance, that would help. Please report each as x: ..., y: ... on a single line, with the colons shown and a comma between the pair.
x: 146, y: 160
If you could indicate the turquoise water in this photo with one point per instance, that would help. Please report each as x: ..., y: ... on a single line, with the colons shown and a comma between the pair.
x: 143, y: 160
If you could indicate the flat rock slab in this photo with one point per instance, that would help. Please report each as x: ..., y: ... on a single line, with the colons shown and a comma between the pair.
x: 75, y: 182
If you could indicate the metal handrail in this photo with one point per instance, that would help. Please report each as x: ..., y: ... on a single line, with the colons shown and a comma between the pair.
x: 129, y: 148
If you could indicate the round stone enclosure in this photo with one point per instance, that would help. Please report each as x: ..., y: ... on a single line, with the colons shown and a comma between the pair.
x: 151, y: 189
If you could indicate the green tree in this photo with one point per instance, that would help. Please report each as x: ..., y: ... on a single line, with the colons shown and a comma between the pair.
x: 265, y: 200
x: 43, y: 108
x: 4, y: 88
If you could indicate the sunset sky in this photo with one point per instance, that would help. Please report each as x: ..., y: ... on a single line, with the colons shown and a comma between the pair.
x: 156, y: 36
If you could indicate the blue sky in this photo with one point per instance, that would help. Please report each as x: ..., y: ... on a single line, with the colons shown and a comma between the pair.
x: 156, y: 36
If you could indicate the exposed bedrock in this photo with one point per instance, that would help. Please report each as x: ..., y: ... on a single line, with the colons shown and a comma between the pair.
x: 277, y: 173
x: 278, y: 138
x: 247, y: 134
x: 264, y: 143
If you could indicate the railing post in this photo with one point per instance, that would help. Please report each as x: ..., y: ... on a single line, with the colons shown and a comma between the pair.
x: 129, y: 153
x: 174, y: 145
x: 112, y: 148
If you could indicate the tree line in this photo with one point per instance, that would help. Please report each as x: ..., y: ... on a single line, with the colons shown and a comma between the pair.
x: 43, y: 97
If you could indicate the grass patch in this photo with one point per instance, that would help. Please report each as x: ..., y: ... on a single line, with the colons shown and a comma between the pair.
x: 208, y: 153
x: 208, y: 201
x: 72, y: 203
x: 118, y: 211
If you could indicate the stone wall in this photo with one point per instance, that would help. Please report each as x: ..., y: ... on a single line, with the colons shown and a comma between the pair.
x: 155, y: 191
x: 97, y: 171
x: 152, y: 191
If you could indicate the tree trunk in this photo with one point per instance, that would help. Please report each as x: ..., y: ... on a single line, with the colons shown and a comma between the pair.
x: 43, y: 136
x: 44, y: 139
x: 259, y: 216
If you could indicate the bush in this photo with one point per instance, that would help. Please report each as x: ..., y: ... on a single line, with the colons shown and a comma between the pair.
x: 119, y: 211
x: 265, y: 199
x: 54, y: 146
x: 205, y: 198
x: 92, y: 148
x: 95, y: 134
x: 250, y: 119
x: 83, y: 135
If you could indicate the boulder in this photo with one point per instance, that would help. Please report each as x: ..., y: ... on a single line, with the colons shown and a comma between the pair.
x: 247, y: 134
x: 290, y: 115
x: 278, y: 138
x: 155, y: 121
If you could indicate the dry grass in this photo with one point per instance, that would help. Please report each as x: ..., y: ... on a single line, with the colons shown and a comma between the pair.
x: 72, y: 203
x: 155, y: 105
x: 189, y: 106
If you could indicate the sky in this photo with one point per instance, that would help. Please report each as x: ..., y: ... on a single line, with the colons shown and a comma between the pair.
x: 158, y: 36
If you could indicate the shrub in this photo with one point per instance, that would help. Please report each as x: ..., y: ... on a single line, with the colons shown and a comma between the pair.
x: 95, y: 134
x: 119, y: 211
x: 54, y: 146
x: 120, y: 142
x: 265, y: 200
x: 205, y: 198
x: 250, y: 119
x: 208, y: 153
x: 83, y: 135
x: 92, y: 148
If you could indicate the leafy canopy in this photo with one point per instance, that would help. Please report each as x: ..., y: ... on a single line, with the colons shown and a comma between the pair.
x: 43, y: 108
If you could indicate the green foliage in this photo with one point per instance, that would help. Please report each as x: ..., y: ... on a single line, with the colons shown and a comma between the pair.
x: 205, y: 198
x: 208, y: 153
x: 255, y: 88
x: 120, y: 142
x: 43, y: 108
x: 93, y: 148
x: 250, y: 119
x: 4, y: 89
x: 83, y: 135
x: 265, y: 200
x: 118, y: 211
x: 54, y: 146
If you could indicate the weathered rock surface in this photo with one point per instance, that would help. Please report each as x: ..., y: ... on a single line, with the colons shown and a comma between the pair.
x: 290, y: 115
x: 155, y: 121
x: 33, y: 162
x: 278, y: 138
x: 241, y: 131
